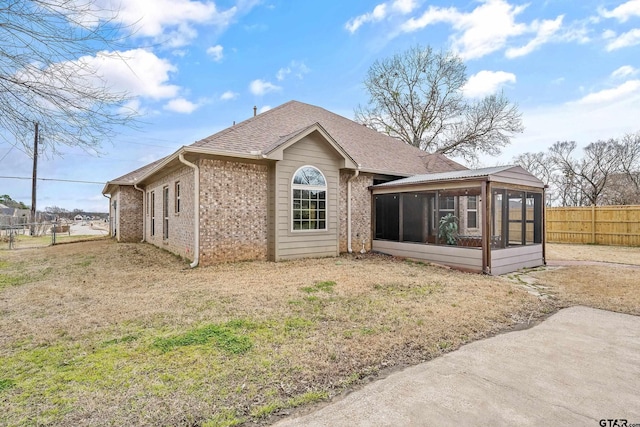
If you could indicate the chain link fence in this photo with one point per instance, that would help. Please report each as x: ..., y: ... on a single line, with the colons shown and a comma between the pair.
x: 18, y: 233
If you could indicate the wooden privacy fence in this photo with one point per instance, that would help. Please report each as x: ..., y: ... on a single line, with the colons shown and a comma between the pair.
x: 603, y: 225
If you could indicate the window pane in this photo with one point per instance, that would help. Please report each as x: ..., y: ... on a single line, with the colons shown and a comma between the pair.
x: 472, y: 202
x: 472, y: 219
x: 309, y: 176
x: 322, y: 225
x: 297, y: 194
x: 297, y: 225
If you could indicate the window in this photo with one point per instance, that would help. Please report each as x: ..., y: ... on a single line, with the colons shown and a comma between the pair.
x: 148, y: 199
x: 309, y: 200
x: 472, y: 212
x: 165, y: 213
x: 446, y: 206
x: 517, y: 218
x: 177, y: 196
x: 153, y: 213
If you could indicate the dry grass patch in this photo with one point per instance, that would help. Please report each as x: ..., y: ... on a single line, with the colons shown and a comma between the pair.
x: 615, y: 254
x: 100, y: 333
x: 614, y: 288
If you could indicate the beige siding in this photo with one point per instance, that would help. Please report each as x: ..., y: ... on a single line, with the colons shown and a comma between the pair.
x: 312, y: 150
x: 181, y: 237
x: 512, y: 259
x: 468, y: 259
x: 517, y: 176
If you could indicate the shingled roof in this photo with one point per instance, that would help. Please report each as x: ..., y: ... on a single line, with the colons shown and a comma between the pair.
x: 373, y: 151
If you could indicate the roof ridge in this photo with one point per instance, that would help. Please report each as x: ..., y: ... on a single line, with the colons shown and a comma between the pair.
x: 243, y: 123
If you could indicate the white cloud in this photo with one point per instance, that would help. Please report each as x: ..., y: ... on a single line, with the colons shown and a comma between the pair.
x: 486, y: 83
x: 181, y: 105
x: 379, y: 13
x: 265, y: 108
x: 228, y: 95
x: 630, y: 38
x: 624, y: 71
x: 215, y: 52
x: 298, y: 69
x: 168, y: 21
x: 138, y: 72
x: 623, y: 91
x: 133, y: 107
x: 404, y: 6
x: 623, y: 12
x: 545, y: 30
x: 579, y: 121
x: 261, y: 87
x: 478, y: 33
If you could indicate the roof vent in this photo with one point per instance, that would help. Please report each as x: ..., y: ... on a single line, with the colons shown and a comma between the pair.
x: 255, y: 109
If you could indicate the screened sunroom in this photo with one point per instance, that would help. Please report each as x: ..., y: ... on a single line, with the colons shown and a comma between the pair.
x: 487, y: 220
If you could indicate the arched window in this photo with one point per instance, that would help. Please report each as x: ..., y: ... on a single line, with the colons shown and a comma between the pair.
x: 309, y: 199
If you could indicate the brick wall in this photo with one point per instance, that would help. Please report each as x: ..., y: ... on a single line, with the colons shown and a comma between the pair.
x: 360, y: 211
x: 180, y: 224
x: 233, y: 211
x: 129, y: 214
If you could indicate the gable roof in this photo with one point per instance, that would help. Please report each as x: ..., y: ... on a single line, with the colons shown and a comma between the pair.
x: 506, y: 174
x: 266, y: 135
x: 373, y: 151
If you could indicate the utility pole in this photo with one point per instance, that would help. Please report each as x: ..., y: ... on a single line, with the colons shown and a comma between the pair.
x: 33, y: 182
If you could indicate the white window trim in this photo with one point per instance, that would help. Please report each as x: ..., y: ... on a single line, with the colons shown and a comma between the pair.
x: 324, y: 188
x: 476, y: 210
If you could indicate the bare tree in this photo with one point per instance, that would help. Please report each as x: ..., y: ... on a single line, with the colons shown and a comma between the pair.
x: 607, y: 172
x: 540, y: 165
x: 590, y: 174
x: 629, y: 157
x: 47, y: 75
x: 417, y: 97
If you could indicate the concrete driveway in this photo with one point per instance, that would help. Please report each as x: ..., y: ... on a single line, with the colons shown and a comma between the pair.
x: 577, y: 367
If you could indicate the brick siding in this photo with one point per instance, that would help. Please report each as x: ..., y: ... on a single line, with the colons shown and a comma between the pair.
x: 233, y: 211
x: 360, y: 211
x: 180, y: 224
x: 129, y: 214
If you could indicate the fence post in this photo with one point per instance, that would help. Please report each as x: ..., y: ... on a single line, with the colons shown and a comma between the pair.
x: 593, y: 224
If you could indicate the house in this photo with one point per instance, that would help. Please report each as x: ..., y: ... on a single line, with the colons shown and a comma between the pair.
x: 295, y: 181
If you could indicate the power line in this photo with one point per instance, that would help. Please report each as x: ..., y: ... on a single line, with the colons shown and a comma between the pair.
x: 53, y: 179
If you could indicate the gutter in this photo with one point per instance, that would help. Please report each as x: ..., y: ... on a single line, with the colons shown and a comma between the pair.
x: 144, y: 228
x: 354, y: 176
x: 196, y: 206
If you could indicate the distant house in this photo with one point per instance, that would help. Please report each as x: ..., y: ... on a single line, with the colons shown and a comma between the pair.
x: 300, y: 181
x: 78, y: 218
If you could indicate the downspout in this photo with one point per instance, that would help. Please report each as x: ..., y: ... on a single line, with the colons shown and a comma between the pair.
x: 355, y: 175
x: 196, y: 206
x: 144, y: 228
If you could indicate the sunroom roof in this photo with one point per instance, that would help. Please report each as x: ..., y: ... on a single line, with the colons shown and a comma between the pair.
x: 507, y: 173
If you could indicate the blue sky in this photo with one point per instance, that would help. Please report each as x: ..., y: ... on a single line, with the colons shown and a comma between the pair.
x: 195, y: 67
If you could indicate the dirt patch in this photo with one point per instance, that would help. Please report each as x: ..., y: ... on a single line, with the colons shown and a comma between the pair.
x: 99, y: 333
